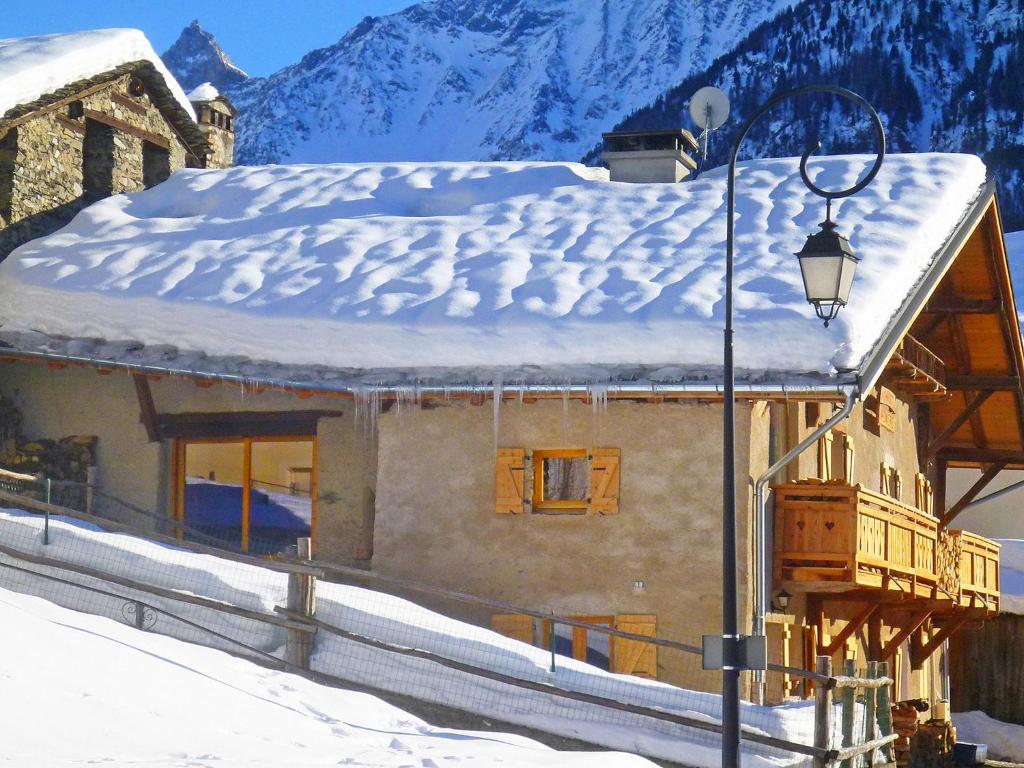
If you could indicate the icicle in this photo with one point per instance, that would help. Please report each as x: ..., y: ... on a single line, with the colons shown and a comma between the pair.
x: 498, y: 391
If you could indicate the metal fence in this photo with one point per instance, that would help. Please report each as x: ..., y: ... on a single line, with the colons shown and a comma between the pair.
x: 346, y: 625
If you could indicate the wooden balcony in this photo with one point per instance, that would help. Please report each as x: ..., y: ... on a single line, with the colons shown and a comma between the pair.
x: 832, y: 537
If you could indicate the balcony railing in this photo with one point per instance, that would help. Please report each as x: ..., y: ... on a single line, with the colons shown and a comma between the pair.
x: 833, y: 537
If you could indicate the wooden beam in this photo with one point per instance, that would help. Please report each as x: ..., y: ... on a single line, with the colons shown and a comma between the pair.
x: 241, y: 423
x: 851, y: 627
x: 131, y: 130
x: 890, y: 648
x: 875, y: 636
x: 147, y: 411
x: 992, y: 383
x: 986, y: 477
x: 958, y: 306
x: 972, y: 405
x: 919, y: 652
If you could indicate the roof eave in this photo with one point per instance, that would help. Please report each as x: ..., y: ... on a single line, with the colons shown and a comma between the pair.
x: 875, y: 361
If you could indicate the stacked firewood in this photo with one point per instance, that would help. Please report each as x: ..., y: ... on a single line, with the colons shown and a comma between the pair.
x: 948, y: 562
x: 905, y: 723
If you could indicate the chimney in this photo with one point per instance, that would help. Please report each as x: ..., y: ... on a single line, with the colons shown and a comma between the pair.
x: 645, y: 157
x: 216, y: 115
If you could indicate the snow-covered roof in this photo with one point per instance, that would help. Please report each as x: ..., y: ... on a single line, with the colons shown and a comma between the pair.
x: 31, y: 67
x: 203, y: 92
x: 488, y: 266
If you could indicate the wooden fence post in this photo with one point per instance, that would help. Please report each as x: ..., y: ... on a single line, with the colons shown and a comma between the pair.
x: 885, y: 712
x: 92, y: 477
x: 848, y: 697
x: 871, y: 713
x: 301, y: 599
x: 822, y: 710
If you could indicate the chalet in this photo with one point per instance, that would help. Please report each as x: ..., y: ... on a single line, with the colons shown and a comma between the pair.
x: 84, y: 116
x: 505, y: 378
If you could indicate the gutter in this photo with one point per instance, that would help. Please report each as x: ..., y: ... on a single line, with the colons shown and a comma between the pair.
x: 831, y: 391
x: 760, y: 519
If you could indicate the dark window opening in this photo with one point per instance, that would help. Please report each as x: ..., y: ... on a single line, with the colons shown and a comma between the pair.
x: 98, y: 160
x: 156, y: 164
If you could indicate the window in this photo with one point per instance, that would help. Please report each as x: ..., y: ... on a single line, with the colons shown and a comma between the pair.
x: 836, y: 457
x: 156, y: 164
x: 98, y: 160
x: 557, y: 481
x: 561, y: 481
x: 615, y: 654
x: 253, y: 493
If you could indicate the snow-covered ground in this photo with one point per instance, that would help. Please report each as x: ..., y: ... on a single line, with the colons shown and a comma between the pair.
x: 81, y: 689
x: 486, y: 265
x: 33, y: 66
x: 1005, y: 740
x: 401, y: 623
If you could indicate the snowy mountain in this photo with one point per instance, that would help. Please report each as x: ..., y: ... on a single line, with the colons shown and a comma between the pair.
x: 483, y: 79
x: 943, y: 74
x: 196, y: 58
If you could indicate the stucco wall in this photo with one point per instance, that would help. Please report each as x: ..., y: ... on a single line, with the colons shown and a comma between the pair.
x: 435, y: 518
x: 55, y: 403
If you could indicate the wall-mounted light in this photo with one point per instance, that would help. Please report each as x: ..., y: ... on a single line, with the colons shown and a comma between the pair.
x: 782, y: 600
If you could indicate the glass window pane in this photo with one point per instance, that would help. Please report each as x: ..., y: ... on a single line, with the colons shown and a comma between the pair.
x: 281, y: 503
x: 213, y: 491
x: 566, y: 479
x: 599, y: 649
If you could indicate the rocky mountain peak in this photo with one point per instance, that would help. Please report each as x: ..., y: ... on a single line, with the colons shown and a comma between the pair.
x: 196, y: 58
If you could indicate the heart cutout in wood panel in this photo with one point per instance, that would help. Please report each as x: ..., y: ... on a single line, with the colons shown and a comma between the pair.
x: 830, y: 525
x: 800, y: 524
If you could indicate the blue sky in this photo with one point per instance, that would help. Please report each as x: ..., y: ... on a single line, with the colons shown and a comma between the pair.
x: 260, y: 35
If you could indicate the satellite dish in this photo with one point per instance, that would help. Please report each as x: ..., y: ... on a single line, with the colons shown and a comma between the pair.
x: 709, y: 108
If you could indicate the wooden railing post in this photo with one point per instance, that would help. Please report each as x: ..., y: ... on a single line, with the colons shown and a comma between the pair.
x: 92, y: 478
x: 302, y: 600
x: 848, y: 697
x: 822, y: 710
x: 870, y: 713
x: 885, y: 712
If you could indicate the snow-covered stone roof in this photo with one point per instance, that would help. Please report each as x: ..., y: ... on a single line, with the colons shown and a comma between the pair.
x: 31, y: 67
x: 487, y: 266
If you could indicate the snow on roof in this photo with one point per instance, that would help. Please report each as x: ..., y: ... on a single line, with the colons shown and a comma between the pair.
x: 31, y: 67
x: 487, y: 265
x: 204, y: 92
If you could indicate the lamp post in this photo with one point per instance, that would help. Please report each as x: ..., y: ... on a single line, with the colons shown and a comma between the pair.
x: 827, y: 264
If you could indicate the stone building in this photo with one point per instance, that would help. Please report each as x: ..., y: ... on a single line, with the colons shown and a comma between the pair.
x: 216, y: 115
x: 84, y: 116
x: 505, y: 379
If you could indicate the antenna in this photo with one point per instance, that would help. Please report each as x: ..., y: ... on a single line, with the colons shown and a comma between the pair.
x: 709, y: 109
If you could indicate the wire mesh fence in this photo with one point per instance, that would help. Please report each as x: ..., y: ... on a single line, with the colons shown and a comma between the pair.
x: 545, y: 671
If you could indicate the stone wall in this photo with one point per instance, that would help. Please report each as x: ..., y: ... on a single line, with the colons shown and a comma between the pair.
x: 217, y: 124
x: 55, y: 162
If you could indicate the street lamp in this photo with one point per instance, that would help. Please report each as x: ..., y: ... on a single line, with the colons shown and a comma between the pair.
x: 827, y: 264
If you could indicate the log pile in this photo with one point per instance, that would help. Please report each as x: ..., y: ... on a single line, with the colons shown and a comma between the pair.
x: 65, y: 459
x: 932, y: 745
x: 948, y: 562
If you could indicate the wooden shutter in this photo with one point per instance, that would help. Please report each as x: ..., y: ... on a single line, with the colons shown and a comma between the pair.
x: 604, y: 481
x: 885, y: 479
x: 513, y: 625
x: 897, y: 484
x: 510, y: 481
x: 825, y: 456
x: 632, y: 657
x: 849, y: 461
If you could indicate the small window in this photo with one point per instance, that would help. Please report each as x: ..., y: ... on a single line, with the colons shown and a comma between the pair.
x: 595, y: 648
x: 561, y: 480
x: 156, y: 164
